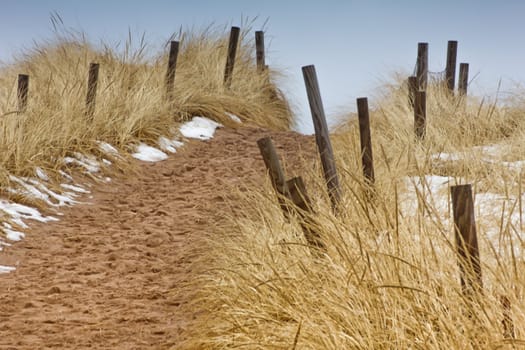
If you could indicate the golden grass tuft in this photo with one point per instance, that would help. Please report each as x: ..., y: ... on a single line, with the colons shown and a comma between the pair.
x: 389, y: 278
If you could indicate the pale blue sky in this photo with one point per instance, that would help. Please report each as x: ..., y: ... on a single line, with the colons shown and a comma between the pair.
x: 354, y: 45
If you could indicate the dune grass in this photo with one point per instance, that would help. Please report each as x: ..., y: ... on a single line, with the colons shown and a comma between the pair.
x: 131, y: 103
x: 389, y: 278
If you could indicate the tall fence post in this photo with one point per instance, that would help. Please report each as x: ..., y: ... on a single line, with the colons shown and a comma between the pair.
x: 271, y: 160
x: 92, y: 89
x: 322, y: 136
x: 450, y: 69
x: 420, y: 114
x: 259, y: 50
x: 22, y: 92
x: 412, y: 88
x: 463, y: 79
x: 172, y: 65
x: 422, y: 66
x: 466, y: 239
x: 230, y: 59
x: 366, y: 139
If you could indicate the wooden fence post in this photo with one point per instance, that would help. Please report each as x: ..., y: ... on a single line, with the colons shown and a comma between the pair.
x: 466, y: 240
x: 259, y: 50
x: 230, y: 60
x: 420, y: 114
x: 412, y: 88
x: 422, y: 66
x: 322, y: 136
x: 22, y: 92
x: 366, y: 140
x: 302, y: 202
x: 463, y: 79
x: 271, y: 160
x: 172, y: 65
x: 92, y: 89
x: 450, y: 69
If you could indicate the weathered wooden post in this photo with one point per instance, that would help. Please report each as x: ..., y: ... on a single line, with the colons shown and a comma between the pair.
x: 466, y: 240
x: 322, y: 136
x: 450, y: 69
x: 271, y: 160
x: 422, y: 66
x: 230, y: 59
x: 22, y: 92
x: 420, y: 114
x: 259, y: 50
x: 412, y: 88
x: 170, y: 74
x: 463, y: 79
x: 366, y: 140
x: 92, y: 89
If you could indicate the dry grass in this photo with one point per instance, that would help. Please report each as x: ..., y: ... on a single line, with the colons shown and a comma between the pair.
x: 131, y: 104
x: 389, y: 278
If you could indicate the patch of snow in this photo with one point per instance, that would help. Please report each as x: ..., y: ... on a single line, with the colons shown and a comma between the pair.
x: 65, y: 175
x: 20, y: 212
x: 149, y: 154
x: 6, y: 269
x: 13, y: 235
x: 450, y: 157
x: 168, y: 145
x: 107, y: 148
x: 87, y: 162
x: 234, y: 117
x: 34, y: 188
x: 106, y: 162
x: 41, y: 174
x: 199, y: 128
x: 74, y: 188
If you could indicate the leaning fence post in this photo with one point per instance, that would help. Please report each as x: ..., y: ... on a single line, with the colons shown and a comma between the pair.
x: 259, y: 50
x: 466, y: 239
x: 450, y: 69
x: 463, y: 79
x: 271, y: 160
x: 321, y: 135
x: 22, y: 91
x: 420, y: 114
x: 92, y: 89
x: 412, y: 88
x: 366, y: 139
x: 422, y: 66
x: 172, y: 65
x: 230, y: 59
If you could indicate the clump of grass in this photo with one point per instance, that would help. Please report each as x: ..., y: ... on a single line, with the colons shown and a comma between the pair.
x: 131, y: 103
x: 389, y: 277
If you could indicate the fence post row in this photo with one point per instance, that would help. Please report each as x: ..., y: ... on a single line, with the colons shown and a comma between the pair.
x: 463, y: 79
x: 230, y: 59
x: 259, y: 50
x: 366, y: 140
x: 450, y: 69
x: 422, y: 66
x: 466, y: 240
x: 92, y: 89
x: 22, y: 92
x: 322, y: 136
x: 172, y: 65
x: 420, y: 114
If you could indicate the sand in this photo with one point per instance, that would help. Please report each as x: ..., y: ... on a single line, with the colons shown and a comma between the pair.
x: 105, y: 276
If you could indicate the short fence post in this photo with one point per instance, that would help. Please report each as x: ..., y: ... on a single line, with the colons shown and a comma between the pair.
x: 172, y: 65
x: 463, y: 79
x: 259, y: 50
x: 302, y: 202
x: 450, y: 70
x: 420, y: 114
x: 366, y: 140
x: 92, y: 89
x: 230, y: 60
x: 466, y: 240
x: 322, y: 136
x: 22, y: 92
x: 422, y: 66
x: 412, y: 88
x: 271, y: 160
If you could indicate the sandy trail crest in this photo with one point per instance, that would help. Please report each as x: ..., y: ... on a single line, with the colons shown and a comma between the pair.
x: 106, y: 274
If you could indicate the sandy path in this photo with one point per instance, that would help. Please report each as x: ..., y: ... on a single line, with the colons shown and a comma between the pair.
x: 106, y: 275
